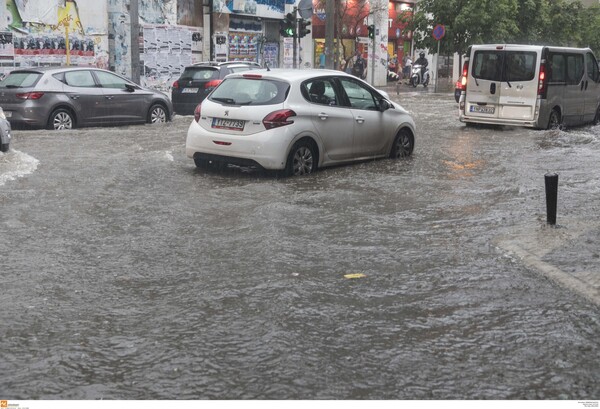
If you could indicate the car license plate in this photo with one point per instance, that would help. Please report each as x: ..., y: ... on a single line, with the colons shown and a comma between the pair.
x: 189, y: 91
x: 482, y: 109
x: 232, y: 124
x: 8, y: 114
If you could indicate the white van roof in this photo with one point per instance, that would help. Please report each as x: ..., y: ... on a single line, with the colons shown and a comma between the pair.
x: 526, y: 47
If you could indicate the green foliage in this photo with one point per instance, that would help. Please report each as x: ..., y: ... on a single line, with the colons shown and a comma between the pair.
x: 467, y: 22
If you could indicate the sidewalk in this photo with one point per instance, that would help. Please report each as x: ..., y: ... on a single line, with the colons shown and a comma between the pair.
x: 568, y: 254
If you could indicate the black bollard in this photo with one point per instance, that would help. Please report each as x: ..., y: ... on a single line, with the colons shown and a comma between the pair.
x: 551, y: 180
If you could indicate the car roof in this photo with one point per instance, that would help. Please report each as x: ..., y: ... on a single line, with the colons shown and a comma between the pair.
x: 224, y: 63
x: 54, y: 69
x: 292, y: 75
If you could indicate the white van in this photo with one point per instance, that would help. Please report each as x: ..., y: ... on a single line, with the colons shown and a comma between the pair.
x: 527, y: 85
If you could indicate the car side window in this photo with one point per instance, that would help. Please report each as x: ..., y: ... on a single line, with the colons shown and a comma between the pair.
x: 557, y: 68
x: 320, y: 91
x: 81, y: 78
x: 592, y: 67
x: 360, y: 97
x: 109, y: 80
x: 574, y: 68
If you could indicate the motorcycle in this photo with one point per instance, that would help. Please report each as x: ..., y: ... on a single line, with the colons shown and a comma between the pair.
x: 415, y: 78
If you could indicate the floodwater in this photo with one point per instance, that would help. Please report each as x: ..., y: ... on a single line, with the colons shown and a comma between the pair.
x: 129, y: 274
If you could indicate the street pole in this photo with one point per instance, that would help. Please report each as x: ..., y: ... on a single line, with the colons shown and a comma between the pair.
x: 135, y: 40
x: 437, y: 57
x: 373, y: 52
x: 329, y: 33
x: 295, y: 38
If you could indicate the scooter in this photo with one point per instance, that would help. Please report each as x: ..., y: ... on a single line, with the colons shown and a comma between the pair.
x: 415, y: 78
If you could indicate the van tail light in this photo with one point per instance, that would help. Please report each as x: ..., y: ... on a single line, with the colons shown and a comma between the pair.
x: 278, y: 118
x: 543, y: 81
x: 29, y: 95
x: 465, y: 73
x: 176, y: 84
x: 197, y: 113
x: 210, y: 85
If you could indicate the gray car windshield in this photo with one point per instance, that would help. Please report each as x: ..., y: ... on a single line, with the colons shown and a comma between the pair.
x: 250, y: 91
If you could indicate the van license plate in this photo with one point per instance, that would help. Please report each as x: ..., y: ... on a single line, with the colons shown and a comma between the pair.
x: 232, y: 124
x: 482, y: 109
x: 189, y: 90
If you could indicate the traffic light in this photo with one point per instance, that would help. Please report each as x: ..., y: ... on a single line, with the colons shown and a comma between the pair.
x: 302, y: 30
x: 371, y: 31
x: 287, y: 26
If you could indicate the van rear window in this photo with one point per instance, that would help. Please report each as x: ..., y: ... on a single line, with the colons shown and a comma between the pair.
x: 497, y: 65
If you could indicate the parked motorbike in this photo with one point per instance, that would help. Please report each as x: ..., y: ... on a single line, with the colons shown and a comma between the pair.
x: 415, y: 78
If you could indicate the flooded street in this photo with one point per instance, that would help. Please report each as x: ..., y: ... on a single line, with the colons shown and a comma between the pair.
x: 129, y: 274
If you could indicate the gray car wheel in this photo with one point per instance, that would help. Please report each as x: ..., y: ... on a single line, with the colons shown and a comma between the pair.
x: 403, y: 145
x: 157, y: 114
x: 4, y: 147
x: 61, y: 119
x: 302, y: 159
x: 597, y: 117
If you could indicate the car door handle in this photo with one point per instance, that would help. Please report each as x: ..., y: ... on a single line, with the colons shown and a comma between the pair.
x: 74, y: 96
x: 109, y: 97
x: 323, y: 116
x: 360, y: 119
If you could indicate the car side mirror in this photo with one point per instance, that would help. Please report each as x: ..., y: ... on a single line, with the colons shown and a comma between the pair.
x: 384, y: 105
x: 129, y: 88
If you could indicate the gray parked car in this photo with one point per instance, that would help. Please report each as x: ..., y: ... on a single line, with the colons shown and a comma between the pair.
x: 66, y: 97
x: 4, y: 132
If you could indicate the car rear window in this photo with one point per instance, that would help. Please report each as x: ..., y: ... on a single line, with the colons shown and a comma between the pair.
x: 20, y: 79
x: 250, y: 91
x: 494, y: 65
x: 200, y: 74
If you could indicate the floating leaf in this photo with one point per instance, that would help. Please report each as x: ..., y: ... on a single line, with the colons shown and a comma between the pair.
x: 355, y: 275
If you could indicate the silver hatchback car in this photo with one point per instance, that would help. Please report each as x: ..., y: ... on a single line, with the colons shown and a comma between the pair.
x: 67, y: 97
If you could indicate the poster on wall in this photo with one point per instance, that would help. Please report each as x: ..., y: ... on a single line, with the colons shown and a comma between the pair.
x: 166, y: 51
x: 220, y: 46
x: 7, y: 52
x: 242, y: 46
x: 271, y: 54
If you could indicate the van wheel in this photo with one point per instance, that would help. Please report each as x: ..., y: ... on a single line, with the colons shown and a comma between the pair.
x: 4, y: 147
x: 555, y: 121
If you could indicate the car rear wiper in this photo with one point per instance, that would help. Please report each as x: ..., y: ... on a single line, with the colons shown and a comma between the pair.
x: 229, y: 101
x: 13, y: 86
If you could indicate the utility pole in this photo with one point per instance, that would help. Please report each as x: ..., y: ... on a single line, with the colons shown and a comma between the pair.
x: 135, y: 40
x: 329, y: 33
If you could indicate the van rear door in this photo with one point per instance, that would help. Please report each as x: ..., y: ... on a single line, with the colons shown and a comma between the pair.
x: 519, y: 84
x: 485, y: 74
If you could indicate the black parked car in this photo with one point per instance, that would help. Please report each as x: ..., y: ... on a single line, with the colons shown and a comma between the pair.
x: 198, y: 80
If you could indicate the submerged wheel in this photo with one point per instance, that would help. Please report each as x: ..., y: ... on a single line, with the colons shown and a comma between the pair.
x: 4, y: 147
x: 157, y: 114
x: 597, y: 117
x: 61, y: 119
x: 403, y: 145
x: 555, y: 121
x: 302, y: 159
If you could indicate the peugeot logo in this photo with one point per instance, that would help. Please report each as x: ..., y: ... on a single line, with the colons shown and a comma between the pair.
x: 226, y: 113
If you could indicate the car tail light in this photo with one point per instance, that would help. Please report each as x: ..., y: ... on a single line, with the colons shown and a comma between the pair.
x: 543, y: 81
x: 210, y: 85
x: 255, y: 76
x: 176, y: 84
x: 30, y: 95
x: 278, y: 118
x: 197, y: 113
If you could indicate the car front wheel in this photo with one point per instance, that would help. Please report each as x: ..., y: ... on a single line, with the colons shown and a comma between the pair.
x: 403, y: 146
x: 302, y: 159
x: 597, y: 118
x: 61, y: 119
x: 4, y: 147
x: 157, y: 114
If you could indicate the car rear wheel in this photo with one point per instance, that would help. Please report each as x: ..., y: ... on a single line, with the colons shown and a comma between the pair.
x: 4, y: 147
x: 302, y: 159
x: 157, y: 114
x: 61, y: 119
x: 555, y: 121
x: 403, y: 145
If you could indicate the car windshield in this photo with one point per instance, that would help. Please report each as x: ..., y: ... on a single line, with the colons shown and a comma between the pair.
x: 200, y: 74
x: 250, y: 91
x: 20, y: 80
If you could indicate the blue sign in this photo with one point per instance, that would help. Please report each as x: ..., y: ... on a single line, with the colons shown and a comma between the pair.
x: 439, y: 31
